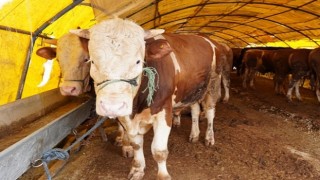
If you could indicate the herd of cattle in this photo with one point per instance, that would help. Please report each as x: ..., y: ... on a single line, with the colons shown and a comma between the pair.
x: 298, y: 64
x: 144, y: 78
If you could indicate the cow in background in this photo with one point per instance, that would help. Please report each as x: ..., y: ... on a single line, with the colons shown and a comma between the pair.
x: 183, y: 67
x: 256, y: 60
x: 72, y: 55
x: 299, y: 68
x: 294, y: 62
x: 314, y: 61
x: 224, y: 67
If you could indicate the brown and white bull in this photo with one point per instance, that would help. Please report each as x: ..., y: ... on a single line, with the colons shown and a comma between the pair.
x: 224, y: 57
x: 314, y: 61
x: 290, y: 61
x: 184, y: 70
x: 72, y: 55
x: 299, y: 67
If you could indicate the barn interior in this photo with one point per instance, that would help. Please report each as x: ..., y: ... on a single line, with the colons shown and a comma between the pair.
x: 27, y: 25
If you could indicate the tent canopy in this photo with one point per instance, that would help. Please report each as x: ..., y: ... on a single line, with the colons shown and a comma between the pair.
x: 24, y: 24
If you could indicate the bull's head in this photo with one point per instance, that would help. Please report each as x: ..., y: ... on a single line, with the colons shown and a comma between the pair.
x: 117, y: 55
x: 72, y: 55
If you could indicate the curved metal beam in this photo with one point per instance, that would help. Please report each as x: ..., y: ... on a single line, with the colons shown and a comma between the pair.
x: 266, y: 32
x: 233, y: 30
x: 212, y: 34
x: 236, y: 2
x: 273, y: 4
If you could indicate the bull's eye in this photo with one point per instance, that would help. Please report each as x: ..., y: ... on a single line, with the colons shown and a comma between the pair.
x: 138, y: 62
x: 86, y: 60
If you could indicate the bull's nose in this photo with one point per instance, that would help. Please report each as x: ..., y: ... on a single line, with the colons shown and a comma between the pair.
x: 69, y: 91
x: 114, y: 106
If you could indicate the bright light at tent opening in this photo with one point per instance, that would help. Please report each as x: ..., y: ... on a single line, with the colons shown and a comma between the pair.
x: 3, y: 2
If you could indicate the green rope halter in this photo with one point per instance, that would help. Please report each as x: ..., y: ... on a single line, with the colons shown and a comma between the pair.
x: 151, y: 73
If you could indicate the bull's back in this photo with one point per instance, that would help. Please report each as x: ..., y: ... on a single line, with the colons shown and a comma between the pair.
x: 195, y: 58
x: 314, y: 59
x: 251, y: 57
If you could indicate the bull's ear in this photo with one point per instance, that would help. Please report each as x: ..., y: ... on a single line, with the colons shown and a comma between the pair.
x: 47, y: 52
x: 157, y: 49
x: 152, y: 33
x: 84, y: 33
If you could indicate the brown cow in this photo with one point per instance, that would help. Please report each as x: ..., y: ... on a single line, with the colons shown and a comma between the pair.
x: 256, y: 60
x: 184, y: 70
x: 314, y: 61
x: 224, y: 63
x: 299, y: 68
x: 290, y: 61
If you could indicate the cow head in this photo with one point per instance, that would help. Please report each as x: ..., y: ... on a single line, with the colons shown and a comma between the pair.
x: 72, y: 55
x: 117, y: 53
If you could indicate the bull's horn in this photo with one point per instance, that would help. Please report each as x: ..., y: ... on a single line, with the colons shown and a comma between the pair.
x: 84, y: 33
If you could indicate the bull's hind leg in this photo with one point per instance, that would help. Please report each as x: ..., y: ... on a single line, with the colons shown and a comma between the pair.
x: 159, y: 146
x: 289, y: 93
x: 244, y: 80
x: 195, y: 131
x: 252, y: 75
x: 318, y: 88
x: 209, y: 104
x: 297, y: 90
x: 226, y: 85
x: 210, y: 113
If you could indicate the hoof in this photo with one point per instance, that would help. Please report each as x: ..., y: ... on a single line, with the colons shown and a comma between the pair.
x: 225, y: 101
x: 163, y: 177
x: 118, y: 141
x: 194, y: 139
x: 127, y: 151
x: 135, y: 175
x: 176, y: 123
x: 209, y: 142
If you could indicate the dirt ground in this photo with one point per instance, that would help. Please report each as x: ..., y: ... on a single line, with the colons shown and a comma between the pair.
x: 258, y: 135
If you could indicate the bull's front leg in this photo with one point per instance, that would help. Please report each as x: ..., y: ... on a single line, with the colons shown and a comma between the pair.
x: 159, y: 146
x: 176, y: 118
x: 122, y: 139
x: 138, y: 163
x: 289, y: 93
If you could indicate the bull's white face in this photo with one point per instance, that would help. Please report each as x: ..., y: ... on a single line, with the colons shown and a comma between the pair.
x: 117, y: 50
